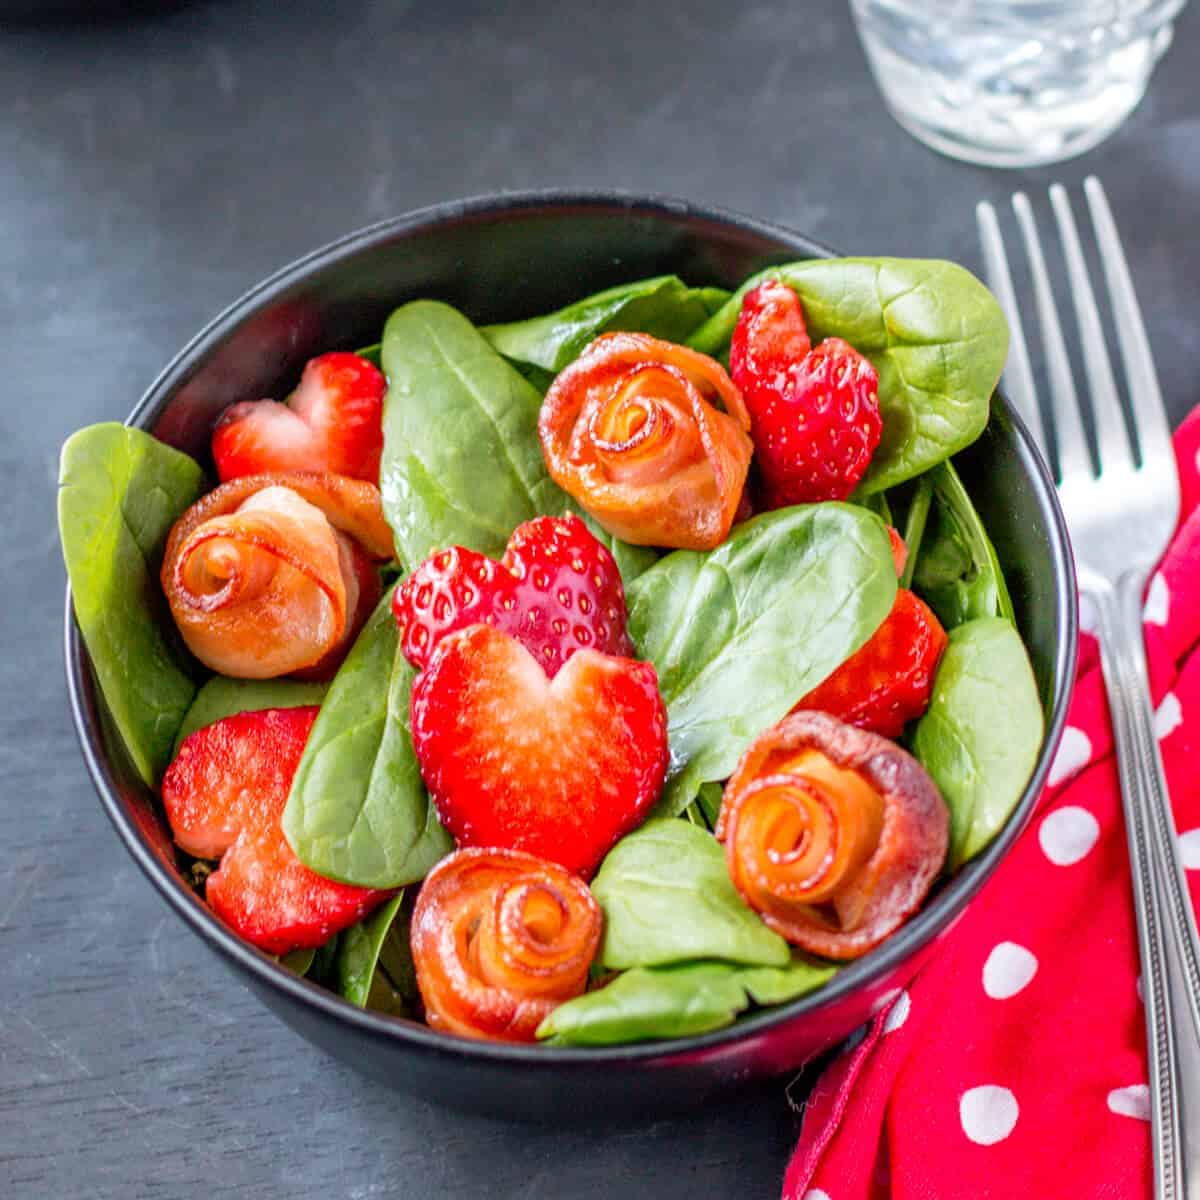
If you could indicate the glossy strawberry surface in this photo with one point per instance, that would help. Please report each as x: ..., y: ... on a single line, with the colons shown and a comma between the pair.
x: 557, y: 590
x: 560, y: 768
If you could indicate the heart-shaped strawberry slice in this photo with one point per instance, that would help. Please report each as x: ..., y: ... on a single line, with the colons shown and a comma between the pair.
x: 561, y: 768
x: 557, y: 589
x: 224, y: 796
x: 331, y: 422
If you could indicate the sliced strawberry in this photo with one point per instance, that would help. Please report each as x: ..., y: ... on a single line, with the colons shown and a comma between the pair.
x: 331, y: 422
x: 560, y: 768
x: 224, y: 796
x: 769, y: 338
x: 557, y: 589
x: 887, y: 683
x: 814, y: 413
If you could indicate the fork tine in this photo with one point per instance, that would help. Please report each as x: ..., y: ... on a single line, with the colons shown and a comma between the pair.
x: 1112, y: 438
x: 1069, y: 441
x: 1152, y: 430
x: 1018, y: 374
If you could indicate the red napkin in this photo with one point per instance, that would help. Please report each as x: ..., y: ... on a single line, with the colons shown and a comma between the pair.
x: 1015, y: 1063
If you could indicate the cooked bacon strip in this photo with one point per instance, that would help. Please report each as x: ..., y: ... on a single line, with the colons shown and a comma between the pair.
x: 651, y: 438
x: 270, y: 574
x: 500, y: 939
x: 834, y: 835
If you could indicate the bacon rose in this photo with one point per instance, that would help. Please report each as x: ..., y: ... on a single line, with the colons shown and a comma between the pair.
x: 500, y: 939
x: 273, y: 574
x: 833, y: 834
x: 651, y: 438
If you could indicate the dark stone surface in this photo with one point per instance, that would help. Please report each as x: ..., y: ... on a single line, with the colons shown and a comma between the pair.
x: 153, y: 168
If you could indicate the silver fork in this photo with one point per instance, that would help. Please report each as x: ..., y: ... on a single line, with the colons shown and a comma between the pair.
x: 1121, y: 514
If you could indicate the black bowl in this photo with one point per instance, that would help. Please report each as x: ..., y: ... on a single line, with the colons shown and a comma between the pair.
x: 503, y: 258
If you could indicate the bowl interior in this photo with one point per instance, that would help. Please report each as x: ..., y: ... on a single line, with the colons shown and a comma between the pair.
x: 504, y: 259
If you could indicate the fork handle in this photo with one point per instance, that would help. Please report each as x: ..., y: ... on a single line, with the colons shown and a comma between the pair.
x: 1167, y: 939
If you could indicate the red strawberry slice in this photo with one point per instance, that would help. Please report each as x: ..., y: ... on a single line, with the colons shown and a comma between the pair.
x: 560, y: 768
x: 887, y: 683
x: 224, y: 796
x: 814, y: 416
x: 331, y: 422
x: 769, y: 338
x: 557, y: 589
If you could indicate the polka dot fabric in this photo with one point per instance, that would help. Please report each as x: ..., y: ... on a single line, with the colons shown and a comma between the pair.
x: 1014, y: 1065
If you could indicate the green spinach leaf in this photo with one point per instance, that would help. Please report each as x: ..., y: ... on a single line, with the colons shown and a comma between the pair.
x: 359, y: 948
x: 223, y: 697
x: 358, y: 810
x: 372, y: 353
x: 739, y: 634
x: 677, y: 1001
x: 461, y: 459
x: 957, y: 572
x: 981, y: 735
x: 120, y: 491
x: 299, y: 962
x: 936, y: 335
x: 667, y: 897
x: 665, y: 307
x: 915, y: 520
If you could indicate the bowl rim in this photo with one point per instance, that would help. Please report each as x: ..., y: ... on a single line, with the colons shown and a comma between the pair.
x: 935, y: 918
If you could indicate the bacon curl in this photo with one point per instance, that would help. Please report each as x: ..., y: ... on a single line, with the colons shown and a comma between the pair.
x: 651, y: 438
x: 833, y: 834
x: 500, y: 939
x: 272, y: 574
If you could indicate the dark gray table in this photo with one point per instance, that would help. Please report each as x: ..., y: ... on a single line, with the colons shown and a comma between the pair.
x: 151, y: 171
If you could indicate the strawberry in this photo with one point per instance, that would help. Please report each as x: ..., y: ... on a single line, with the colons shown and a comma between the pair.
x: 224, y: 796
x: 560, y: 768
x: 557, y: 589
x: 331, y: 422
x: 887, y: 682
x: 814, y: 413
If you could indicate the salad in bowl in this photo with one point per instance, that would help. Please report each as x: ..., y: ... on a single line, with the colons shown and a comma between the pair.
x: 590, y: 679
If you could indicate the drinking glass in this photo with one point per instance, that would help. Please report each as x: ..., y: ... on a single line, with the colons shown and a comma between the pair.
x: 1013, y: 83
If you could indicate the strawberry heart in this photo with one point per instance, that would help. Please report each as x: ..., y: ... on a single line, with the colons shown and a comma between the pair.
x: 557, y: 590
x: 224, y: 797
x: 331, y: 422
x: 560, y: 768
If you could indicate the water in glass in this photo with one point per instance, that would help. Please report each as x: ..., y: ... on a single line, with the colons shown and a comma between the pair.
x: 1013, y: 82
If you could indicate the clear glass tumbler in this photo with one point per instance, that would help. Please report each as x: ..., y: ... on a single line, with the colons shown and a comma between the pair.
x: 1012, y: 83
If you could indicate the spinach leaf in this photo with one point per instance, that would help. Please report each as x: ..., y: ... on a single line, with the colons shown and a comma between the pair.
x: 667, y: 897
x: 358, y: 951
x: 298, y: 961
x: 676, y: 1001
x: 877, y: 502
x: 740, y: 633
x: 322, y: 968
x: 980, y: 737
x: 957, y: 572
x: 223, y: 697
x: 461, y: 459
x: 665, y: 307
x: 709, y: 799
x: 936, y: 335
x: 371, y: 353
x: 915, y: 520
x: 120, y: 491
x: 358, y: 810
